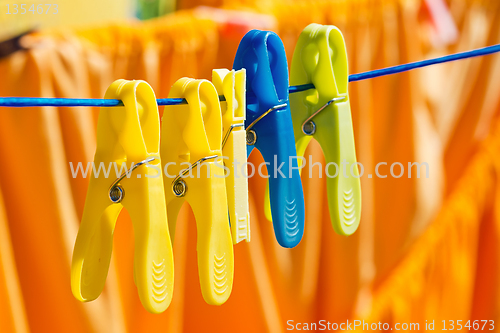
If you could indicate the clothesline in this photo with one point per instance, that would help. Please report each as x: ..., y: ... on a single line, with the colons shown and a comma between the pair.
x: 71, y: 102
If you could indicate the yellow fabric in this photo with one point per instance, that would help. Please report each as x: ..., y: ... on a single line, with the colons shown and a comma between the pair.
x: 426, y: 249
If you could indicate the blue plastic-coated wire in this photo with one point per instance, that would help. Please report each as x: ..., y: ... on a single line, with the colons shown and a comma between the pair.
x: 407, y: 67
x: 62, y: 102
x: 419, y: 64
x: 68, y: 102
x: 300, y: 87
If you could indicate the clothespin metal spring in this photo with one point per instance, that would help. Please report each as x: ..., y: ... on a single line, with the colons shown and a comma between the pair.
x: 251, y: 135
x: 309, y: 127
x: 179, y: 186
x: 116, y: 191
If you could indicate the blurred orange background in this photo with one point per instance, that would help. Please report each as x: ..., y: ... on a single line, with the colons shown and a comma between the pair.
x: 426, y: 249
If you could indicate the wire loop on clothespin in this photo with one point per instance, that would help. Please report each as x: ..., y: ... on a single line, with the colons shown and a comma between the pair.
x: 229, y: 132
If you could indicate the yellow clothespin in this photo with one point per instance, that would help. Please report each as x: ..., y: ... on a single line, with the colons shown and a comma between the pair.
x: 231, y: 84
x: 128, y: 139
x: 191, y: 151
x: 324, y: 113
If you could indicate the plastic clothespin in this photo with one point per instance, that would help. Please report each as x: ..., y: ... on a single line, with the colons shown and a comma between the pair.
x: 231, y: 84
x: 324, y: 113
x: 190, y: 149
x: 129, y: 136
x: 269, y: 129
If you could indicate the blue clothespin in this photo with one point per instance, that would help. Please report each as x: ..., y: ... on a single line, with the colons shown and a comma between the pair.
x: 270, y: 130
